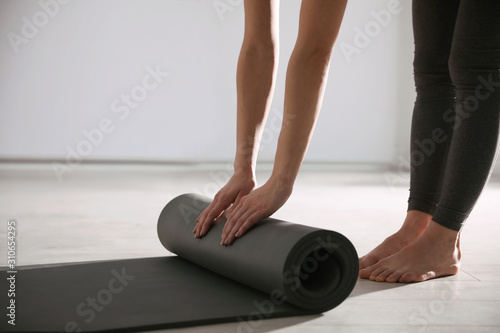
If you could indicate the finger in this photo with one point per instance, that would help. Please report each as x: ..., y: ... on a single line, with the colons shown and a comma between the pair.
x: 216, y: 211
x: 238, y: 221
x: 219, y: 199
x: 232, y: 216
x: 230, y: 224
x: 210, y: 206
x: 207, y: 217
x: 201, y: 219
x: 229, y: 215
x: 230, y: 211
x: 236, y: 227
x: 238, y: 199
x: 250, y: 222
x: 202, y: 231
x: 236, y: 204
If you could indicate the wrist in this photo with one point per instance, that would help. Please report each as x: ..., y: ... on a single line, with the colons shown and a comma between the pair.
x: 283, y: 182
x: 244, y: 170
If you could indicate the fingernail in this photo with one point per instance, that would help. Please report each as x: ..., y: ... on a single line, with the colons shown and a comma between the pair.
x: 237, y: 234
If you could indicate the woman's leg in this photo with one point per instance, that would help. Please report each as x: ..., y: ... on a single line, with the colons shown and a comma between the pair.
x: 474, y: 67
x: 433, y: 27
x: 475, y: 71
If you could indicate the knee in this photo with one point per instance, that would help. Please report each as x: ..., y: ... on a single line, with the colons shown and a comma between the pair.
x: 431, y: 73
x: 462, y: 72
x: 264, y: 43
x: 261, y: 49
x: 469, y: 68
x: 314, y: 54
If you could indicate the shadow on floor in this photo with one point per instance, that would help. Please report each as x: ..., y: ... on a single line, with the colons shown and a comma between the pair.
x: 364, y: 286
x: 264, y: 326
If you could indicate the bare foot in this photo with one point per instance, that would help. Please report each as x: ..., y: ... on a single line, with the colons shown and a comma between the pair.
x: 436, y: 253
x: 413, y: 226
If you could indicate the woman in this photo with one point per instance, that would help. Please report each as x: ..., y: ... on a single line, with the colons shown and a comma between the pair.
x: 454, y: 136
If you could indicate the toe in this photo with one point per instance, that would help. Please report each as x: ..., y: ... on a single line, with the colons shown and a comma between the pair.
x: 365, y: 273
x: 416, y: 277
x: 381, y: 277
x: 410, y: 277
x: 367, y: 261
x: 368, y: 271
x: 376, y: 272
x: 407, y: 277
x: 394, y: 277
x: 361, y: 263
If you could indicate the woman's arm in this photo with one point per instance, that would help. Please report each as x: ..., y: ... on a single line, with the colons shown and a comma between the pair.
x: 255, y: 79
x: 305, y: 83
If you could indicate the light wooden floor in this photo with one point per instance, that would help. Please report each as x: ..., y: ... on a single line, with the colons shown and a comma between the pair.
x: 110, y: 212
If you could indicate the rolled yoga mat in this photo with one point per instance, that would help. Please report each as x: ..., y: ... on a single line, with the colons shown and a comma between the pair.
x: 276, y: 269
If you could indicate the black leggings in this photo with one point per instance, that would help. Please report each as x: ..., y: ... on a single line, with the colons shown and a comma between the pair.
x: 455, y: 125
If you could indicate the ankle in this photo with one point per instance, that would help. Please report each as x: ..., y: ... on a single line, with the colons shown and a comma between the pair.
x: 443, y: 234
x: 416, y: 216
x: 415, y: 223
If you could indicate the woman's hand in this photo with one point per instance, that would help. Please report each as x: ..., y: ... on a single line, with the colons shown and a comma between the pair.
x: 239, y: 185
x: 257, y: 205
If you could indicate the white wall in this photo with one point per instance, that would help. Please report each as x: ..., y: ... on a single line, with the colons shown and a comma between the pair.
x: 66, y: 76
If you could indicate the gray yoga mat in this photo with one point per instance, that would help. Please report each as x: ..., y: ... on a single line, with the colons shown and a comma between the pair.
x: 277, y: 269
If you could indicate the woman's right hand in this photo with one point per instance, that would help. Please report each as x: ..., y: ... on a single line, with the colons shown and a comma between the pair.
x: 240, y: 184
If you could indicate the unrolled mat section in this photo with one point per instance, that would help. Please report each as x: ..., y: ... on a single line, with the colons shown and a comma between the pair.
x: 277, y: 269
